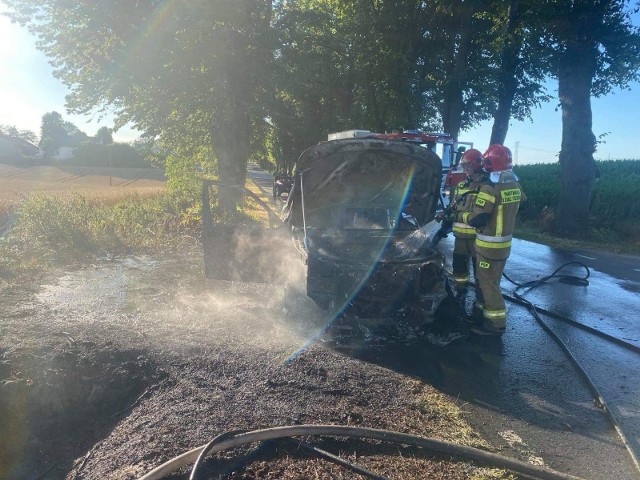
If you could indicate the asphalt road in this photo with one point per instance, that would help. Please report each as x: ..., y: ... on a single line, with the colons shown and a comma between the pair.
x: 521, y: 391
x: 534, y: 380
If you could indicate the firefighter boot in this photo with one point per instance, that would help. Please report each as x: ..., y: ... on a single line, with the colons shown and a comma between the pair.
x: 487, y: 329
x: 476, y: 317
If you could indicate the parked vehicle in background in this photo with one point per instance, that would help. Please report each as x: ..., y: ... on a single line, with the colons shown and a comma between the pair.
x: 282, y: 183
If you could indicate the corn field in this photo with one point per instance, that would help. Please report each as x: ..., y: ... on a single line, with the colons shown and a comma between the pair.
x: 616, y: 194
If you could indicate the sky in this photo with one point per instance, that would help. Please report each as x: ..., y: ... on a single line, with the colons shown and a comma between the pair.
x: 28, y: 90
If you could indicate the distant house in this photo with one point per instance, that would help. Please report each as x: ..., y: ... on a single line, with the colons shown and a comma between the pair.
x: 15, y: 149
x: 64, y: 153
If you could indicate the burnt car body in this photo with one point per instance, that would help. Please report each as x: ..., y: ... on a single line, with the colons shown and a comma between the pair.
x: 357, y: 212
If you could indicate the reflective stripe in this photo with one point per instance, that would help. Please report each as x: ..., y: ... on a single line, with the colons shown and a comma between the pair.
x: 494, y: 238
x: 499, y: 221
x: 480, y: 243
x: 461, y: 225
x: 463, y: 228
x: 494, y: 313
x: 465, y: 216
x: 461, y: 279
x: 487, y: 197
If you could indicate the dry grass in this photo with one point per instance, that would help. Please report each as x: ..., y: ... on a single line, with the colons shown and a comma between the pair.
x: 17, y: 183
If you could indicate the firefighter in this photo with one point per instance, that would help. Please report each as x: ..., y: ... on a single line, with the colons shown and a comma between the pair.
x: 463, y: 196
x: 493, y: 215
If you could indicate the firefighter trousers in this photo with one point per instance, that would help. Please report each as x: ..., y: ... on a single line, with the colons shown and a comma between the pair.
x: 488, y: 276
x: 463, y: 250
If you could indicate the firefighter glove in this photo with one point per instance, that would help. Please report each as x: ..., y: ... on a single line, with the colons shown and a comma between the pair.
x: 450, y: 216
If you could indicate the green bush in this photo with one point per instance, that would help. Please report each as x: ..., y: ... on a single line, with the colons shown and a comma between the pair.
x: 52, y: 230
x: 113, y: 155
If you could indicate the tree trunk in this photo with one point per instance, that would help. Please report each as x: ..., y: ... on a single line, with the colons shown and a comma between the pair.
x: 577, y: 166
x: 232, y: 128
x: 230, y: 140
x: 508, y: 82
x: 453, y: 93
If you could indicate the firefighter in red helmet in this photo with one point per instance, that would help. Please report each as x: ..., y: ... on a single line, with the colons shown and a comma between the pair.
x: 462, y: 197
x: 493, y: 215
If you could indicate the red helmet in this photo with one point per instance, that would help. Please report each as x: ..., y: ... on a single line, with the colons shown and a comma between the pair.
x: 496, y: 158
x: 473, y: 159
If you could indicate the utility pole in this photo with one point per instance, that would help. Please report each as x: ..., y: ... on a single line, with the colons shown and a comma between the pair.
x: 110, y: 165
x: 515, y: 158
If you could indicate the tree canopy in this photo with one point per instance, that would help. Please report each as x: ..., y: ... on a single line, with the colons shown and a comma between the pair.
x: 222, y: 81
x: 14, y: 132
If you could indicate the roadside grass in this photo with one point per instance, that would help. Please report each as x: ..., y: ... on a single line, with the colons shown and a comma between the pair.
x: 438, y: 410
x: 448, y: 420
x: 70, y: 228
x: 67, y: 228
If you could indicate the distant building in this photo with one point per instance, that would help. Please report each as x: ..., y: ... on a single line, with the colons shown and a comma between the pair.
x: 14, y: 149
x: 64, y: 153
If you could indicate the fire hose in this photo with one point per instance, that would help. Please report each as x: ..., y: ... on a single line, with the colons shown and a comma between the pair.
x: 238, y: 438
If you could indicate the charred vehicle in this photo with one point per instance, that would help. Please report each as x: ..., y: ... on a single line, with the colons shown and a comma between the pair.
x: 357, y: 212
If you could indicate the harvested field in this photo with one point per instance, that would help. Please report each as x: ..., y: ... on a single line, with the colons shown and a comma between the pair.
x: 17, y: 182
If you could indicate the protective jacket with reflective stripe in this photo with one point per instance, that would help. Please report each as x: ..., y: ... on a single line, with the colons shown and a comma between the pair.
x: 468, y: 189
x: 493, y: 214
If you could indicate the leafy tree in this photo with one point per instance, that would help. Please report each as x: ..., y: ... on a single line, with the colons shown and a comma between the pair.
x: 312, y: 76
x: 345, y: 65
x: 453, y: 33
x: 13, y: 132
x: 89, y: 153
x: 103, y: 136
x: 48, y: 146
x: 151, y: 150
x: 519, y: 64
x: 592, y: 48
x: 165, y: 67
x: 58, y: 132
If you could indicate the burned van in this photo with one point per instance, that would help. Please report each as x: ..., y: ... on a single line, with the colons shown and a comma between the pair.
x: 357, y: 212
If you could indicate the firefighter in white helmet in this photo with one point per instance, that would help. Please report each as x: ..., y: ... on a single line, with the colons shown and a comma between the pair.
x: 493, y: 215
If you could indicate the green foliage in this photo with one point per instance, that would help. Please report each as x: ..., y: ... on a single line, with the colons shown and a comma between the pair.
x: 56, y: 132
x: 182, y: 179
x: 615, y: 205
x: 151, y: 151
x: 103, y: 136
x: 114, y: 155
x: 52, y: 230
x: 541, y: 185
x: 49, y: 146
x: 13, y: 132
x: 205, y: 74
x: 615, y: 195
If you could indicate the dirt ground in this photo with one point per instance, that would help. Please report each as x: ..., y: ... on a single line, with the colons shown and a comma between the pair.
x: 111, y: 370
